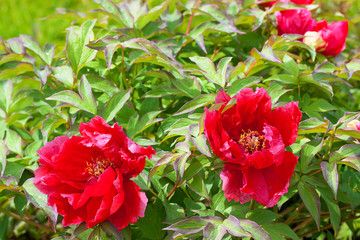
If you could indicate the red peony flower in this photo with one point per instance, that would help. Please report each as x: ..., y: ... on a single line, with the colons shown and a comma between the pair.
x: 328, y: 39
x: 87, y: 177
x: 298, y: 2
x: 294, y: 21
x: 251, y: 140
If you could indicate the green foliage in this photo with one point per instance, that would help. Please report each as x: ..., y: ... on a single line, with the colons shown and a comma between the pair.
x: 152, y: 67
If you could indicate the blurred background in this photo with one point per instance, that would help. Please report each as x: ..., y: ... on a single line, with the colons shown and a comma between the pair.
x: 27, y: 17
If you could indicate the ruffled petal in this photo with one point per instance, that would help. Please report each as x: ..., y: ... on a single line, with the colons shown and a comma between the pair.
x: 267, y: 185
x: 286, y: 119
x: 232, y: 183
x: 133, y: 207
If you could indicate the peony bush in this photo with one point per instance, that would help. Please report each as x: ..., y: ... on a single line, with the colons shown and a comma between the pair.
x: 184, y: 120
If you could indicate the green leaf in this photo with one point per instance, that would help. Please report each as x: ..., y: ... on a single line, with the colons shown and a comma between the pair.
x: 136, y: 126
x: 239, y: 84
x: 197, y: 185
x: 13, y: 141
x: 151, y: 15
x: 245, y: 228
x: 38, y: 199
x: 20, y: 204
x: 214, y: 232
x: 308, y: 152
x: 110, y: 228
x: 2, y: 157
x: 290, y: 65
x: 85, y: 101
x: 311, y: 200
x: 161, y: 91
x: 278, y: 229
x: 189, y: 225
x: 102, y: 84
x: 76, y: 50
x: 194, y: 104
x: 207, y: 68
x: 334, y: 209
x: 179, y: 166
x: 46, y: 55
x: 164, y: 160
x: 331, y: 175
x: 19, y: 69
x: 347, y: 150
x: 154, y: 214
x: 114, y: 105
x: 200, y: 142
x: 353, y: 162
x: 262, y: 216
x: 64, y: 74
x: 51, y: 122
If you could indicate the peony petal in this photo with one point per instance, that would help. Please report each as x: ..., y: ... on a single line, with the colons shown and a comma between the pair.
x: 335, y: 35
x: 133, y: 207
x: 267, y: 185
x: 294, y: 21
x: 97, y: 187
x: 50, y: 150
x: 286, y: 119
x: 252, y: 107
x: 232, y: 183
x: 222, y: 97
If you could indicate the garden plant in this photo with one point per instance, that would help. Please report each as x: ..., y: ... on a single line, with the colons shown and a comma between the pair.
x: 190, y: 119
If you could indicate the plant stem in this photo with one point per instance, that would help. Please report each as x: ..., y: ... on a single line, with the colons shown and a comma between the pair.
x: 327, y: 226
x: 29, y: 221
x: 16, y: 189
x: 191, y: 18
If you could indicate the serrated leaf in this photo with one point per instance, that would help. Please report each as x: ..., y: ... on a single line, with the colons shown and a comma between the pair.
x: 311, y: 200
x: 200, y: 101
x: 331, y: 175
x: 39, y: 200
x: 114, y: 105
x: 76, y: 50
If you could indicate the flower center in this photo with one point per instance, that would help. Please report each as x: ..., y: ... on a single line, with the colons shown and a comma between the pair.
x: 97, y: 166
x: 252, y: 141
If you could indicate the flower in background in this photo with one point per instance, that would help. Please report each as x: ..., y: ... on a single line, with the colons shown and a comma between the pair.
x: 330, y: 39
x: 327, y: 39
x: 294, y: 21
x: 298, y: 2
x: 251, y: 140
x: 87, y: 177
x: 354, y: 124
